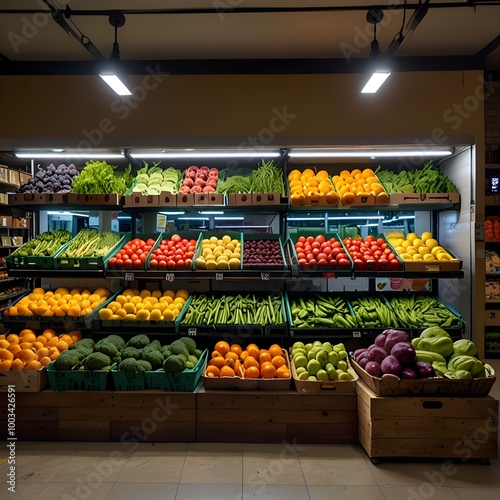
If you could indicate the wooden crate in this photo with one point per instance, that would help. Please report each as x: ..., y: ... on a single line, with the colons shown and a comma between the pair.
x: 254, y: 416
x: 431, y: 427
x: 149, y: 416
x: 239, y: 199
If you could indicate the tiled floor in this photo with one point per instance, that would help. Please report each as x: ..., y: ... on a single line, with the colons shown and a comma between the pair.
x: 119, y: 471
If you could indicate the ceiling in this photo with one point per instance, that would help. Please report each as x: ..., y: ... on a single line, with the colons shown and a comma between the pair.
x: 342, y: 34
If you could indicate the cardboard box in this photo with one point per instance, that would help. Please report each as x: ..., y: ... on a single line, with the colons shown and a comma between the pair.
x: 167, y: 199
x: 266, y: 198
x: 216, y: 199
x: 6, y: 221
x: 140, y: 200
x: 492, y: 317
x: 201, y: 198
x: 21, y: 222
x: 426, y: 427
x: 27, y: 199
x: 185, y: 200
x: 57, y: 198
x: 14, y: 177
x: 424, y: 198
x: 4, y: 173
x: 24, y: 177
x: 24, y: 380
x: 17, y: 241
x: 4, y: 199
x: 360, y: 201
x: 6, y: 241
x: 112, y: 199
x: 239, y: 199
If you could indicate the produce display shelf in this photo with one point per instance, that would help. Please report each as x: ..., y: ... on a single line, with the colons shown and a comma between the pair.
x: 13, y: 295
x: 419, y: 207
x: 4, y: 280
x: 61, y: 273
x: 223, y: 275
x: 409, y: 274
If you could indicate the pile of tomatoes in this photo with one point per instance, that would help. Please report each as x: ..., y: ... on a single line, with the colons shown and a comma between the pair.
x: 316, y: 252
x: 133, y: 254
x: 372, y: 254
x: 173, y: 253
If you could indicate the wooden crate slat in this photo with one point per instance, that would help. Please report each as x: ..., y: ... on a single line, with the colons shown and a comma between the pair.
x: 133, y: 431
x: 318, y: 417
x: 117, y: 414
x: 43, y: 413
x: 84, y: 430
x: 322, y: 434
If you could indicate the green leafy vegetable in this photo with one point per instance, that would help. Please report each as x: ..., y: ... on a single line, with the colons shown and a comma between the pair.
x: 100, y: 178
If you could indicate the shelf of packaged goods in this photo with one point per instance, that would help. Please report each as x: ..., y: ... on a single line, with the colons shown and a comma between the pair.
x: 59, y: 273
x: 5, y: 280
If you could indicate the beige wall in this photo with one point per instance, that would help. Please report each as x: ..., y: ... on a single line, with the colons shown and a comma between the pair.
x: 204, y: 109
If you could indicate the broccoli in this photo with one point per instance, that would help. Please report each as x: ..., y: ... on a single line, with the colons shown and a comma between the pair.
x: 154, y: 357
x: 198, y: 353
x: 97, y: 361
x: 178, y: 347
x: 174, y: 363
x: 129, y: 365
x: 66, y: 360
x: 88, y: 343
x: 165, y: 350
x: 155, y: 345
x: 116, y: 340
x: 131, y: 352
x: 192, y: 359
x: 189, y: 343
x: 139, y: 341
x: 144, y: 366
x: 83, y: 351
x: 107, y: 348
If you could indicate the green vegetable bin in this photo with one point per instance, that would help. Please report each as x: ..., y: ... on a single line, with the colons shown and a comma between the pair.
x: 184, y: 381
x: 88, y: 263
x: 128, y: 381
x: 79, y: 380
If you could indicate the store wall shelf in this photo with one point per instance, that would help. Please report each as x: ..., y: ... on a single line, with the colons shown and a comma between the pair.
x: 59, y: 273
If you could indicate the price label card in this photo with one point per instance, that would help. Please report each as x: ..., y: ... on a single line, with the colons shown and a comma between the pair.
x: 264, y: 276
x: 129, y: 276
x: 170, y: 277
x: 356, y: 335
x: 219, y: 276
x: 191, y: 332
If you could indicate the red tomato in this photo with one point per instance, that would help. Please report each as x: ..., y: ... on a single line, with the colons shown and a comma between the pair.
x: 369, y: 239
x: 380, y: 241
x: 309, y: 257
x: 307, y: 248
x: 299, y: 244
x: 343, y: 262
x: 162, y: 264
x: 134, y: 256
x: 341, y: 256
x: 310, y: 239
x: 302, y: 262
x: 176, y: 238
x: 391, y: 256
x: 320, y: 238
x: 327, y: 250
x: 321, y: 256
x: 142, y: 257
x: 353, y: 248
x: 384, y: 246
x: 336, y: 244
x: 315, y: 252
x: 137, y: 263
x: 374, y: 248
x: 150, y: 241
x: 358, y: 264
x: 153, y: 263
x: 127, y: 263
x: 112, y: 261
x: 316, y: 244
x: 301, y: 255
x: 119, y: 262
x: 301, y: 239
x: 322, y: 262
x: 189, y: 255
x: 313, y: 262
x: 188, y: 262
x: 336, y: 251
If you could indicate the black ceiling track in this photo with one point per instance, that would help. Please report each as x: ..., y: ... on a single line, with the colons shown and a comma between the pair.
x: 241, y: 66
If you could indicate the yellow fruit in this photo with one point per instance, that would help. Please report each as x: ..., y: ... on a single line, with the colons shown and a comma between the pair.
x: 211, y: 265
x: 399, y: 249
x: 145, y: 293
x: 157, y: 294
x: 411, y: 251
x: 142, y: 315
x: 406, y: 244
x: 200, y: 263
x: 121, y: 299
x: 411, y: 236
x: 129, y: 317
x: 426, y: 235
x: 417, y: 242
x: 423, y: 251
x: 431, y: 243
x: 429, y: 258
x: 444, y: 256
x: 129, y: 307
x: 121, y: 313
x: 105, y: 314
x: 417, y: 256
x: 437, y: 250
x: 155, y: 315
x: 168, y: 315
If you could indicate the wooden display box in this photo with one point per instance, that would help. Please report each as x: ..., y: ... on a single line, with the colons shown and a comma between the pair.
x: 239, y: 199
x: 266, y: 198
x: 492, y: 317
x: 14, y: 177
x: 24, y: 177
x: 185, y: 200
x: 5, y: 221
x: 141, y: 200
x: 216, y: 199
x: 27, y: 199
x: 104, y: 416
x: 167, y: 199
x: 4, y: 174
x: 424, y: 198
x: 360, y: 201
x: 23, y: 380
x: 259, y: 417
x: 427, y: 427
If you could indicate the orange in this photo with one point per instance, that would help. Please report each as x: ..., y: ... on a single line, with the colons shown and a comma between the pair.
x: 237, y: 349
x: 25, y: 355
x: 250, y: 361
x: 29, y: 336
x: 216, y: 354
x: 45, y: 361
x: 253, y: 351
x: 265, y: 356
x: 6, y: 355
x: 62, y: 346
x: 43, y: 352
x: 222, y: 347
x: 275, y: 350
x: 212, y: 371
x: 25, y: 345
x: 283, y: 372
x: 37, y: 345
x: 26, y: 331
x: 267, y: 370
x: 278, y: 361
x: 348, y: 198
x: 218, y: 361
x: 5, y: 364
x: 33, y: 365
x: 52, y: 342
x: 14, y: 348
x: 252, y: 372
x: 75, y: 335
x: 238, y: 368
x: 17, y: 364
x: 4, y: 344
x: 49, y: 333
x: 66, y: 338
x: 13, y: 338
x: 227, y: 371
x: 244, y: 355
x: 231, y: 356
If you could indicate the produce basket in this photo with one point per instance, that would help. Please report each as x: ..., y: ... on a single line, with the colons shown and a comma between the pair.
x: 123, y: 242
x: 263, y: 266
x: 184, y: 381
x: 128, y: 381
x: 319, y: 386
x: 189, y: 235
x: 329, y: 315
x: 88, y: 263
x: 80, y: 380
x: 391, y: 385
x: 234, y: 235
x: 247, y: 384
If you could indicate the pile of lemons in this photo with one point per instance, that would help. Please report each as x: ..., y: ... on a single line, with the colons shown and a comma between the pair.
x: 423, y: 247
x: 219, y: 254
x: 145, y: 305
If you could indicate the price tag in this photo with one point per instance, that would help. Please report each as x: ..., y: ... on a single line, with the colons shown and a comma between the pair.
x: 170, y: 277
x: 432, y: 268
x: 328, y: 275
x: 264, y: 276
x: 356, y: 335
x: 219, y: 276
x: 191, y: 332
x: 129, y: 276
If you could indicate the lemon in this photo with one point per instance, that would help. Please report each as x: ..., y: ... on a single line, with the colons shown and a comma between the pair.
x: 437, y: 250
x: 145, y: 293
x: 142, y: 315
x: 211, y: 265
x: 406, y: 244
x: 411, y: 250
x: 426, y: 235
x: 444, y: 256
x: 226, y: 239
x: 400, y: 249
x: 429, y: 257
x: 222, y: 264
x: 411, y: 236
x: 417, y: 242
x: 417, y: 256
x: 129, y: 317
x: 431, y: 243
x: 214, y: 239
x: 155, y: 315
x: 157, y: 293
x: 423, y: 251
x: 200, y: 263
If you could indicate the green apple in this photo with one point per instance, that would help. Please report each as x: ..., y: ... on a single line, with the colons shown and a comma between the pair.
x: 298, y: 352
x: 308, y: 347
x: 312, y: 378
x: 304, y: 376
x: 313, y: 366
x: 342, y: 354
x: 342, y: 365
x: 339, y: 347
x: 332, y: 374
x: 317, y: 343
x: 322, y: 357
x: 311, y: 355
x: 300, y: 361
x: 333, y: 358
x: 345, y: 376
x: 327, y: 346
x: 300, y: 370
x: 298, y: 344
x: 322, y: 375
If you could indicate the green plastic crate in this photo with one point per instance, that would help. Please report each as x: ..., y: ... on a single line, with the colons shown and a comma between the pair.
x: 80, y: 380
x: 128, y: 381
x: 184, y: 381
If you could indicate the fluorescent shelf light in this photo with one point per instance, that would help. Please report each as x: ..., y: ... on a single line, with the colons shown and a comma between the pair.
x: 191, y: 153
x: 172, y: 213
x: 212, y: 212
x: 356, y: 217
x: 305, y: 218
x: 68, y: 155
x: 229, y: 218
x: 396, y: 219
x: 67, y: 213
x: 363, y: 153
x: 116, y: 84
x: 193, y: 218
x: 375, y: 82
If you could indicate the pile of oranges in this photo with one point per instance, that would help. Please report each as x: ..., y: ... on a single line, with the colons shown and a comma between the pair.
x: 60, y: 302
x: 251, y: 363
x: 27, y: 351
x: 358, y: 182
x: 307, y: 187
